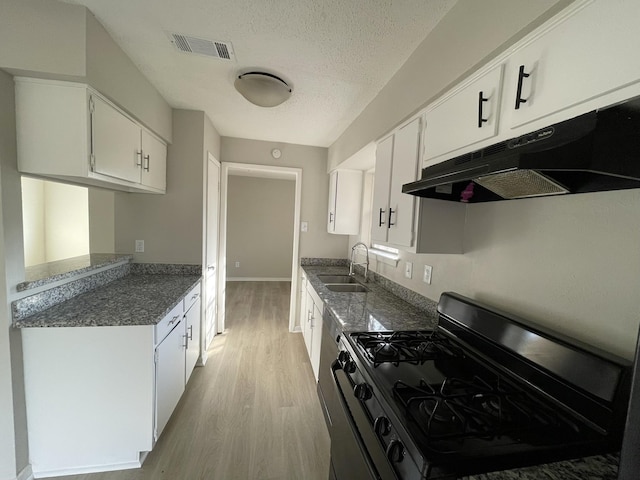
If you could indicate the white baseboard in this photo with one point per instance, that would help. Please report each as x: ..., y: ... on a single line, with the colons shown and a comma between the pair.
x: 88, y: 469
x: 258, y: 279
x: 25, y: 474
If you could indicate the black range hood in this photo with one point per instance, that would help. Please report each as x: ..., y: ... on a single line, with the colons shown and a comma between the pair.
x: 593, y: 152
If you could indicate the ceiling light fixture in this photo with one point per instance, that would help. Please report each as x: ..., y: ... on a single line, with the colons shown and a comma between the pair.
x: 262, y: 89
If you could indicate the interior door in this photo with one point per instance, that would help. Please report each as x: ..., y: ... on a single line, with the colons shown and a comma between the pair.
x: 213, y: 221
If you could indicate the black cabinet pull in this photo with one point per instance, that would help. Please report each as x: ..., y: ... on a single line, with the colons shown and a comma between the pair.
x: 380, y: 222
x: 481, y: 100
x: 521, y: 76
x: 391, y: 212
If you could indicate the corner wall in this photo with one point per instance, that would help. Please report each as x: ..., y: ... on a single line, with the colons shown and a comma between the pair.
x: 14, y: 455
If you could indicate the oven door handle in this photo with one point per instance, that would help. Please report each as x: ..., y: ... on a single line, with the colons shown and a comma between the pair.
x: 360, y: 426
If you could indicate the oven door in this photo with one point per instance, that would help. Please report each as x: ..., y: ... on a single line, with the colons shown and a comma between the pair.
x: 355, y: 450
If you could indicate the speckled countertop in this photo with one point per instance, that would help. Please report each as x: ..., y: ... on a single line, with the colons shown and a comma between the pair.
x: 45, y: 273
x: 131, y: 300
x: 379, y: 309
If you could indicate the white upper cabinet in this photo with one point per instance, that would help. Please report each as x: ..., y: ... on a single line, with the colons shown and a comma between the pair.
x: 345, y: 202
x: 70, y: 132
x: 467, y: 116
x: 393, y: 212
x: 154, y: 162
x: 580, y: 56
x: 120, y: 159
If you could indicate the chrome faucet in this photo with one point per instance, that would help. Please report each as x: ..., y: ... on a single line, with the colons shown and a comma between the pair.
x: 366, y: 264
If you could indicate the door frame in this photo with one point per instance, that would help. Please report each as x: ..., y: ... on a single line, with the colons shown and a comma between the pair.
x: 210, y: 159
x: 264, y: 171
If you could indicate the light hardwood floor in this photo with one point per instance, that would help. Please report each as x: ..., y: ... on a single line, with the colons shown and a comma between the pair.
x: 252, y: 412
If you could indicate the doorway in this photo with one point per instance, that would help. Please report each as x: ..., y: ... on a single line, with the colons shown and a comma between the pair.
x: 260, y: 171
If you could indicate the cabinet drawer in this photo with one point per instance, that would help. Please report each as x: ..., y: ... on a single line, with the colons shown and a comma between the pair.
x: 165, y: 326
x: 191, y: 297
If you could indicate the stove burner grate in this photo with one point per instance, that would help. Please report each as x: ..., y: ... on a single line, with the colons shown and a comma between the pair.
x: 399, y: 347
x: 459, y: 409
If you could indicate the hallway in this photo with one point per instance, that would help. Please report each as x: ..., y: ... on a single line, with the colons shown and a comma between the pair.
x: 252, y: 412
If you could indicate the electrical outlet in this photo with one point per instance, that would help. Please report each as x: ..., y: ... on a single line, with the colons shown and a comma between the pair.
x: 304, y: 226
x: 408, y: 269
x: 139, y: 246
x: 237, y: 264
x: 426, y: 278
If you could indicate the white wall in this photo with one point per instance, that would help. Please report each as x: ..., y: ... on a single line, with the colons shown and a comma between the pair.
x: 56, y: 221
x: 315, y: 188
x: 33, y: 221
x: 468, y: 35
x: 101, y: 221
x: 259, y: 227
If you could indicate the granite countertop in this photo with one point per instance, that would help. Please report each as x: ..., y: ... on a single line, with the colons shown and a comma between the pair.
x: 379, y: 309
x: 45, y: 273
x: 130, y: 300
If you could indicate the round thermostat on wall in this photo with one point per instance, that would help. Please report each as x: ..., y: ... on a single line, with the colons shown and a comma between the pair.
x: 276, y: 153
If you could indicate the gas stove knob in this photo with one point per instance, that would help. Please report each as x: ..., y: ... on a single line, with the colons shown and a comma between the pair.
x: 362, y: 391
x: 382, y: 426
x: 344, y: 356
x: 395, y: 451
x: 350, y: 366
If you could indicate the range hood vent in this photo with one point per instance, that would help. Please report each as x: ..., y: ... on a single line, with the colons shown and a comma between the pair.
x: 594, y: 152
x: 202, y: 46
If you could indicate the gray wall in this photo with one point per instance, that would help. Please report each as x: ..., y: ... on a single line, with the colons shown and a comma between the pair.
x: 469, y: 34
x: 259, y: 227
x: 170, y: 224
x: 13, y: 425
x: 569, y: 263
x: 315, y: 188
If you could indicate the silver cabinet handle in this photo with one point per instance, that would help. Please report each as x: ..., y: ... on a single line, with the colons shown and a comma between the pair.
x: 211, y: 267
x: 147, y: 162
x: 139, y: 161
x: 173, y: 320
x: 190, y: 337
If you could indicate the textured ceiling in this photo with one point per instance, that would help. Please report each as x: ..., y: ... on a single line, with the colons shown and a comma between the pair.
x: 337, y: 55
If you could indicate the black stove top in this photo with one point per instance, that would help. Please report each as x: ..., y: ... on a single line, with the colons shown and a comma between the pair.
x: 462, y: 402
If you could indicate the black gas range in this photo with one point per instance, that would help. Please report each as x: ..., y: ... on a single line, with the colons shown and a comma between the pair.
x: 482, y: 392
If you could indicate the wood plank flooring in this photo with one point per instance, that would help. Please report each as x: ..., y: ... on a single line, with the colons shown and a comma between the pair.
x: 252, y: 412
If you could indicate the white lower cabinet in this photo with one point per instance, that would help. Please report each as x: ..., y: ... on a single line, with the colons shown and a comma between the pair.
x: 312, y: 328
x: 170, y: 375
x: 98, y: 398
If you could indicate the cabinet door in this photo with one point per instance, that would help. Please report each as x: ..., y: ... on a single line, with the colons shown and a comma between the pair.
x: 115, y: 143
x: 345, y: 202
x: 591, y: 53
x: 192, y: 319
x: 467, y: 117
x: 303, y: 302
x: 381, y: 187
x: 333, y: 186
x: 316, y: 339
x: 404, y: 170
x: 170, y: 366
x: 154, y: 162
x: 307, y: 332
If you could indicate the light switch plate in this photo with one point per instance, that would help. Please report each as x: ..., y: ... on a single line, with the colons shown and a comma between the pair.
x: 426, y: 278
x: 408, y: 269
x: 139, y: 246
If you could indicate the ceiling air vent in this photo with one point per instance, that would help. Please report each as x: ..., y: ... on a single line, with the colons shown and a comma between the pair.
x: 202, y: 46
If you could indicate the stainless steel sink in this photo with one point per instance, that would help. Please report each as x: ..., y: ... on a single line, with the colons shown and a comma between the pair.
x: 346, y: 287
x: 325, y: 278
